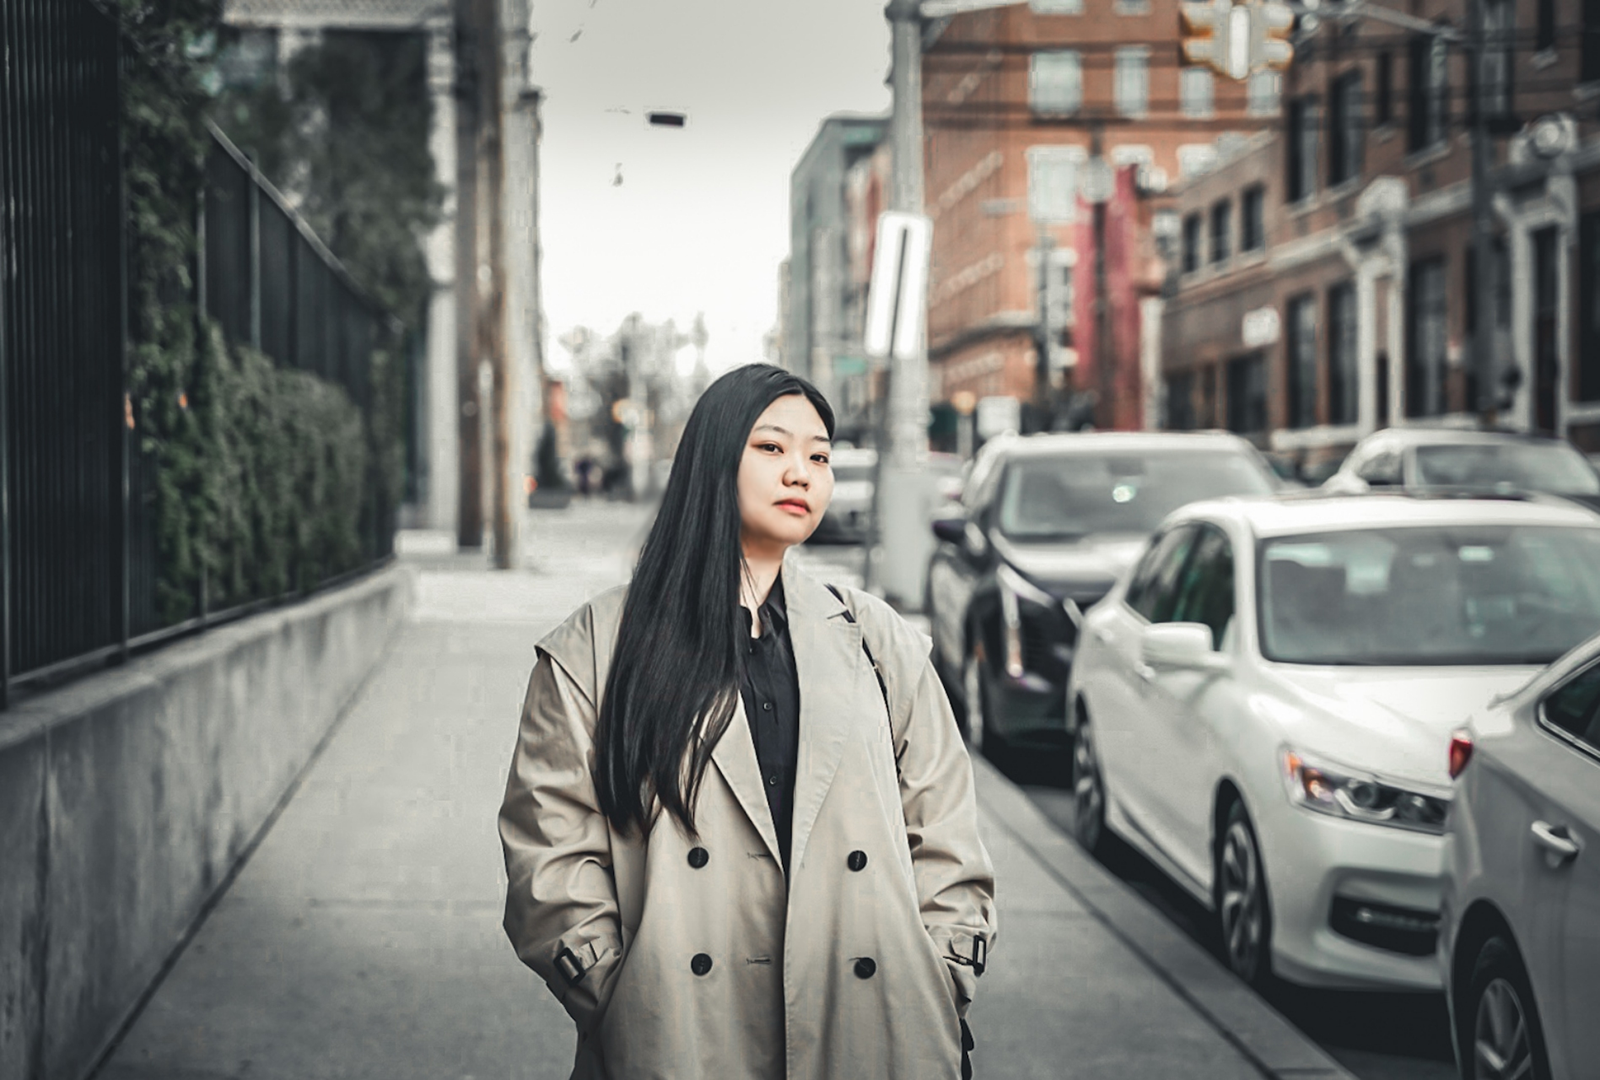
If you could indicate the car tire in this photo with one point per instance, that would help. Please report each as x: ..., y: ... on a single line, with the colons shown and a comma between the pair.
x: 1498, y: 1028
x: 1088, y: 789
x: 1244, y: 913
x: 980, y: 712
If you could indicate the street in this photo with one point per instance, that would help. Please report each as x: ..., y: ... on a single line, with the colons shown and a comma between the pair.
x: 361, y: 937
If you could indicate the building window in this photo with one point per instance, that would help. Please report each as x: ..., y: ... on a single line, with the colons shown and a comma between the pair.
x: 1261, y: 93
x: 1425, y: 359
x: 1300, y: 349
x: 1300, y: 150
x: 1195, y: 92
x: 1221, y: 230
x: 1132, y: 85
x: 1430, y: 90
x: 1247, y: 394
x: 1383, y: 98
x: 1343, y: 388
x: 1056, y: 7
x: 1195, y: 158
x: 1346, y: 133
x: 1545, y: 33
x: 1588, y: 308
x: 1053, y: 182
x: 1180, y: 402
x: 1055, y: 81
x: 1191, y: 243
x: 1252, y: 219
x: 1589, y: 65
x: 1499, y: 28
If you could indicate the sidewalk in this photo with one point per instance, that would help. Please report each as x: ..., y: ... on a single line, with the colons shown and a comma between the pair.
x: 362, y: 938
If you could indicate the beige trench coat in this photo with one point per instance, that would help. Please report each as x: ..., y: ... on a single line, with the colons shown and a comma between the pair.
x: 837, y: 972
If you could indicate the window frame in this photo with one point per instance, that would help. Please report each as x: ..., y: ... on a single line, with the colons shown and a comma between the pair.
x: 1128, y: 54
x: 1193, y: 241
x: 1253, y: 226
x: 1037, y: 107
x: 1221, y: 215
x: 1560, y: 733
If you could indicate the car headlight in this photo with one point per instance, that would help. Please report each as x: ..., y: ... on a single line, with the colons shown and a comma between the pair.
x: 1355, y: 796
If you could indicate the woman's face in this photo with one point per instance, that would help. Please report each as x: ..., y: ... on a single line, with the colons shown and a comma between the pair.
x: 785, y: 482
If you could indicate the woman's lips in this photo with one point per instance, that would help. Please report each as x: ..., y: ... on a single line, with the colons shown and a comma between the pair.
x: 795, y: 506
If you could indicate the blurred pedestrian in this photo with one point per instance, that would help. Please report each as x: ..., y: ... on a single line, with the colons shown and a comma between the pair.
x: 740, y: 829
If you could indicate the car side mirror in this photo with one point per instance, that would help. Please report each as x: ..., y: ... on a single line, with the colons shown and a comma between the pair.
x: 1181, y: 645
x: 950, y: 530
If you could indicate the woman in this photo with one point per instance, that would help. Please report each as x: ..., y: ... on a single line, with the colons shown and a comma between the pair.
x: 733, y: 849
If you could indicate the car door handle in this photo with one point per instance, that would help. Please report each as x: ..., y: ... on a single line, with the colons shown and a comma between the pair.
x: 1556, y: 841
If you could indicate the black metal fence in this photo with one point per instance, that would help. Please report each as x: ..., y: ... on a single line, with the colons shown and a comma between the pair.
x: 78, y: 561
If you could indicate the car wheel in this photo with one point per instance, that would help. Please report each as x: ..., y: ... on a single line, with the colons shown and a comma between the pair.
x: 1500, y: 1019
x: 980, y: 712
x: 1244, y: 918
x: 1088, y: 789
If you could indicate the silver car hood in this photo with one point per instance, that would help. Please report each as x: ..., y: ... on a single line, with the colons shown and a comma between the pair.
x: 1099, y: 558
x: 1392, y: 721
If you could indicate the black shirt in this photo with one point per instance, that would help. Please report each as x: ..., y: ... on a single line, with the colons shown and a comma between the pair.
x: 771, y: 692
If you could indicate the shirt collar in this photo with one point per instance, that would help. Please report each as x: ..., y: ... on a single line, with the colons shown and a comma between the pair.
x: 774, y: 613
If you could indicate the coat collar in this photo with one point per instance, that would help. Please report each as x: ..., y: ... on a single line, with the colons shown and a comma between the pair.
x: 827, y: 653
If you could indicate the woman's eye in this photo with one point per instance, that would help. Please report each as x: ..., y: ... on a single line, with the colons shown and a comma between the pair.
x: 820, y: 459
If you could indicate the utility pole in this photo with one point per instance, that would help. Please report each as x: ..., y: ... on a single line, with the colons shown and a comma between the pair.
x: 1483, y: 291
x: 468, y: 49
x: 1104, y: 353
x: 1045, y: 335
x: 899, y: 512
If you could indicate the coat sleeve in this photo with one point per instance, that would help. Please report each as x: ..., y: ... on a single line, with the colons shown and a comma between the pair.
x: 561, y: 903
x: 955, y: 880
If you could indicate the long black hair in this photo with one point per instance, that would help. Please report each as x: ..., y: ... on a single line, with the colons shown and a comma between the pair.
x: 675, y: 674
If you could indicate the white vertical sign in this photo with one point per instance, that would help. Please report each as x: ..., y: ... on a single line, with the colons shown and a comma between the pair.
x: 897, y: 295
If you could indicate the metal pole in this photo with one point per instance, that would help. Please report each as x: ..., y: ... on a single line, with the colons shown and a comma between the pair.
x: 1104, y: 354
x: 469, y: 47
x: 898, y: 499
x: 1483, y: 298
x: 1044, y: 336
x: 492, y: 316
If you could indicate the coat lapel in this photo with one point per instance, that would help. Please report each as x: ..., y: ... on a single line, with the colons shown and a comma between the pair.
x: 828, y: 663
x: 735, y: 758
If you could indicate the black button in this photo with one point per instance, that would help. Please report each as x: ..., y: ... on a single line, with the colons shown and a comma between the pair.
x: 864, y: 967
x: 698, y: 857
x: 857, y: 860
x: 702, y: 964
x: 766, y: 706
x: 772, y: 781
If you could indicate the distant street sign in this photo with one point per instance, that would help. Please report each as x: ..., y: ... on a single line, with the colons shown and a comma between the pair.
x: 1260, y: 327
x: 897, y: 295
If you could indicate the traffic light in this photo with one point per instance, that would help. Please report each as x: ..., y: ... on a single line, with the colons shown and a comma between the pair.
x: 1235, y: 39
x: 1270, y: 25
x: 1202, y: 32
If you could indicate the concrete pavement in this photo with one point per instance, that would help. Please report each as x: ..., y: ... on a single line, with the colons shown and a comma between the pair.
x: 362, y: 938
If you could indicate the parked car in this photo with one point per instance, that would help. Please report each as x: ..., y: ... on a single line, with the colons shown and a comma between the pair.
x: 1484, y: 460
x: 847, y: 516
x: 1045, y: 525
x: 1264, y: 703
x: 1520, y: 920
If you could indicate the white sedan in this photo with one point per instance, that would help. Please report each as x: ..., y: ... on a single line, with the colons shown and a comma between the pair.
x: 1264, y: 707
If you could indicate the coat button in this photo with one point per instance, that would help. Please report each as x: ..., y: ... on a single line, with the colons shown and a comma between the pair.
x: 702, y: 964
x: 856, y: 860
x: 864, y: 968
x: 698, y: 857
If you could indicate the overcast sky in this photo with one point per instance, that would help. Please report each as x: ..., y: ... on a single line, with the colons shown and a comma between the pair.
x: 701, y: 218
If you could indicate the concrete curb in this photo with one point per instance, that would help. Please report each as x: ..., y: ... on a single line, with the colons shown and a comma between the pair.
x: 1277, y: 1049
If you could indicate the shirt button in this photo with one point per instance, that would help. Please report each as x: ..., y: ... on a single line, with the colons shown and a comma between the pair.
x: 700, y: 964
x: 772, y: 781
x: 698, y: 857
x: 857, y: 860
x: 766, y: 706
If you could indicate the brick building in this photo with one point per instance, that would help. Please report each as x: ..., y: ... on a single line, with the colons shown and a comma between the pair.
x: 1324, y: 274
x: 1016, y: 101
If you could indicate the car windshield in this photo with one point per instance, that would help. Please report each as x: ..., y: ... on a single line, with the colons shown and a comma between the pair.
x: 1550, y: 467
x: 1071, y: 495
x: 1435, y: 595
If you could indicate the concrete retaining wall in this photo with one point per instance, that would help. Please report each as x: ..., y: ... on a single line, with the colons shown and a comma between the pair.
x: 126, y: 798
